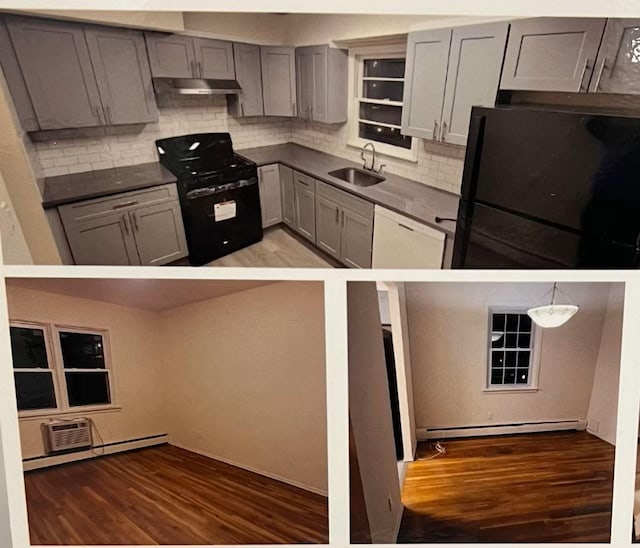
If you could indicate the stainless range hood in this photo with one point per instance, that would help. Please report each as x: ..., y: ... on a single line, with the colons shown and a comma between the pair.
x: 195, y: 86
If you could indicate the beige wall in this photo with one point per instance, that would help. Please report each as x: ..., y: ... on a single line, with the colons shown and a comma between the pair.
x: 136, y: 356
x: 603, y: 406
x: 14, y: 246
x: 246, y: 380
x: 448, y: 332
x: 19, y: 167
x: 370, y: 413
x: 257, y: 28
x: 157, y: 20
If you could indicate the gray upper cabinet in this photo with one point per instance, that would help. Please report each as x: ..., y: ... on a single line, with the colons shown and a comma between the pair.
x: 617, y: 68
x: 214, y: 59
x: 249, y: 75
x: 278, y: 80
x: 159, y: 233
x: 56, y: 66
x: 425, y: 78
x: 305, y: 212
x: 171, y: 55
x: 473, y: 76
x: 121, y: 67
x: 322, y: 75
x: 287, y: 196
x: 270, y: 200
x: 15, y: 81
x: 551, y: 54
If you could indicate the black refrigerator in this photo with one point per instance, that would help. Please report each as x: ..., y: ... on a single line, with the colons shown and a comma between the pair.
x: 546, y: 188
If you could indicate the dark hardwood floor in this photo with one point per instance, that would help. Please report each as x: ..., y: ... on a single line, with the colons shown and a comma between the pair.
x: 165, y: 495
x: 552, y: 487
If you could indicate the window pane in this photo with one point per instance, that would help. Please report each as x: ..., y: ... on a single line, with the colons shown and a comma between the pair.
x: 509, y: 376
x: 511, y: 340
x: 88, y: 388
x: 497, y: 359
x: 28, y: 348
x: 387, y: 135
x: 498, y: 322
x: 82, y: 350
x: 391, y: 91
x: 510, y: 359
x: 496, y: 376
x: 385, y: 68
x: 512, y: 322
x: 524, y: 341
x: 523, y: 359
x: 34, y: 390
x: 525, y: 323
x: 381, y: 113
x: 522, y: 376
x: 497, y: 340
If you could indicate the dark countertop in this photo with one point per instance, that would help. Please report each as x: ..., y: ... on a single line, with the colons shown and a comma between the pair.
x: 415, y: 200
x: 64, y: 189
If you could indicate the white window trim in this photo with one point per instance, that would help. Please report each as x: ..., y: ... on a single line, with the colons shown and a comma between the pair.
x: 356, y: 66
x: 534, y: 365
x: 56, y: 366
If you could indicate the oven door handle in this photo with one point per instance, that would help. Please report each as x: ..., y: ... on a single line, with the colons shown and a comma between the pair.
x: 217, y: 189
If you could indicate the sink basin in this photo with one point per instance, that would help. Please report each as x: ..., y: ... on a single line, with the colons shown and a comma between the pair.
x: 357, y: 177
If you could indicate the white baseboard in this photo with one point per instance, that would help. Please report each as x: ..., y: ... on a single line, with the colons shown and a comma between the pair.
x: 488, y: 430
x: 110, y: 449
x: 252, y: 469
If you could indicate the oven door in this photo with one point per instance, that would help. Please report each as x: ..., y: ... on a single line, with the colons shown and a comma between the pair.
x: 221, y: 219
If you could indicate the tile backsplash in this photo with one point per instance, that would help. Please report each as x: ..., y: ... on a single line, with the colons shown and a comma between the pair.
x: 77, y: 150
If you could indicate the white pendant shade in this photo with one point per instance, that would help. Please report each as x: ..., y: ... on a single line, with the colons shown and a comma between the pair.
x: 552, y: 315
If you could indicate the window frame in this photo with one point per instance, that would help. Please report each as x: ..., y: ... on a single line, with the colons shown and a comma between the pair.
x: 357, y: 57
x: 56, y: 366
x: 534, y: 361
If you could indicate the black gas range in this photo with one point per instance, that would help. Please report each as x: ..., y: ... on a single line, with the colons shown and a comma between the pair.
x: 219, y: 194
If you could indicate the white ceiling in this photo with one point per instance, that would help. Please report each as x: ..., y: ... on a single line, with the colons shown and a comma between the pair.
x: 147, y: 294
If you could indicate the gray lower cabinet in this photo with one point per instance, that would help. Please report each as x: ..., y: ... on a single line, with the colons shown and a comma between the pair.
x: 551, y: 54
x: 278, y: 80
x: 270, y: 199
x: 120, y: 63
x: 344, y: 226
x: 249, y: 101
x: 305, y: 205
x: 133, y: 228
x: 617, y: 69
x: 287, y: 196
x: 171, y: 55
x: 424, y: 84
x: 55, y: 62
x: 321, y: 77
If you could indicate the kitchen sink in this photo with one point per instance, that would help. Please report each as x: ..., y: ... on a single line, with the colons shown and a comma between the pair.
x: 357, y: 177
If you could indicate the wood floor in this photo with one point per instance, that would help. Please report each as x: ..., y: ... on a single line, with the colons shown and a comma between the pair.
x: 165, y: 495
x: 552, y: 487
x: 278, y: 248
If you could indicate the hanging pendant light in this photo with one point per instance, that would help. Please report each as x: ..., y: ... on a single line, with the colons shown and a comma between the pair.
x: 552, y: 315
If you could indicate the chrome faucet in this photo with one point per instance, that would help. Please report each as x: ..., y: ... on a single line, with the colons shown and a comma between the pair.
x: 373, y: 157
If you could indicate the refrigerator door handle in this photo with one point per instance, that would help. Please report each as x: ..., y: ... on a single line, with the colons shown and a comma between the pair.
x: 472, y: 157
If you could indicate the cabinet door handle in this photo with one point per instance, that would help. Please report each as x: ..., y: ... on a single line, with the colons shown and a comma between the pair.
x: 126, y: 224
x: 444, y: 131
x: 337, y: 215
x: 135, y: 221
x: 97, y: 108
x: 200, y: 71
x: 108, y: 115
x: 342, y: 222
x: 435, y: 130
x: 125, y: 204
x: 584, y: 72
x: 602, y: 67
x: 193, y: 69
x: 405, y: 226
x: 293, y: 108
x: 241, y: 107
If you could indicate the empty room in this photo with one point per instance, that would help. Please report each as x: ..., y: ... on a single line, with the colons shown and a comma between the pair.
x: 483, y: 412
x: 170, y: 411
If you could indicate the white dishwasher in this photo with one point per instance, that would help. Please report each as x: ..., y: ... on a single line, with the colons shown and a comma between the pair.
x: 400, y: 242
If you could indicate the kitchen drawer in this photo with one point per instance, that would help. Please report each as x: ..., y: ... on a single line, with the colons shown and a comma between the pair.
x: 305, y: 180
x: 125, y: 201
x: 346, y: 200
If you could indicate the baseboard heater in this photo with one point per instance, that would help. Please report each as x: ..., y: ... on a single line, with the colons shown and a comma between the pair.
x: 499, y: 429
x: 44, y: 461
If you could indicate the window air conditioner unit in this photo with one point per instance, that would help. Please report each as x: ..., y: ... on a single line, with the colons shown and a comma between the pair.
x: 67, y: 435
